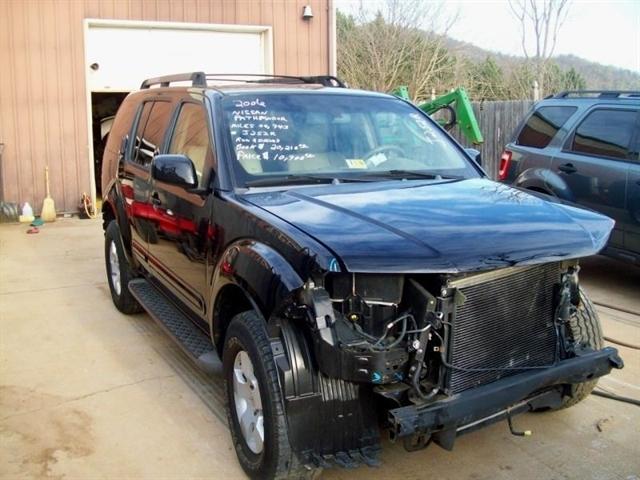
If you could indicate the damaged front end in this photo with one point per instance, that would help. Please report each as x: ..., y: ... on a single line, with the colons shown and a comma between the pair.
x: 426, y: 356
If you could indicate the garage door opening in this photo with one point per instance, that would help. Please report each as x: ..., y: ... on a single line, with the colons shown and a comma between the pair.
x: 103, y: 109
x: 120, y: 54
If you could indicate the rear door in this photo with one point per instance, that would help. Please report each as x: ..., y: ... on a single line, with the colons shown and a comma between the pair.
x: 594, y: 163
x: 632, y: 231
x: 537, y: 140
x: 184, y: 233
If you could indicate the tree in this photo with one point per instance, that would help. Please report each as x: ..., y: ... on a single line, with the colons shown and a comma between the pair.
x: 554, y: 79
x: 518, y: 85
x: 486, y: 81
x: 542, y: 19
x: 394, y: 47
x: 520, y: 81
x: 573, y: 80
x: 403, y: 42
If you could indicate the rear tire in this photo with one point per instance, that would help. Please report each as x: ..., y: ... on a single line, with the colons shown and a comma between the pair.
x: 119, y: 271
x: 585, y: 328
x: 272, y: 457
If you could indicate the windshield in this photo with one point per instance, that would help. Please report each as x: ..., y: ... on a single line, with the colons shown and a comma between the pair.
x: 301, y: 136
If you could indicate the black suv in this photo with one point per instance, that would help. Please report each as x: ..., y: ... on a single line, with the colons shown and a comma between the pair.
x: 582, y: 147
x: 345, y: 265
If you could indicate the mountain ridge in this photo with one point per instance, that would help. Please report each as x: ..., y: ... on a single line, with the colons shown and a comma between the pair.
x: 597, y: 75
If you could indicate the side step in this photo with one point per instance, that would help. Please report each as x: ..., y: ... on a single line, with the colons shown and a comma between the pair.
x: 193, y: 341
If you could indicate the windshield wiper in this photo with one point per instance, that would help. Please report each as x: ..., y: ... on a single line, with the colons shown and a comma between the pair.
x: 409, y: 174
x: 300, y: 180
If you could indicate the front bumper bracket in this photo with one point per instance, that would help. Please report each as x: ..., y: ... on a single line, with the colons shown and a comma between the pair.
x: 476, y: 404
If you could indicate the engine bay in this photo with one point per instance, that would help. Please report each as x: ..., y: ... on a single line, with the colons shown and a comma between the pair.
x: 416, y: 336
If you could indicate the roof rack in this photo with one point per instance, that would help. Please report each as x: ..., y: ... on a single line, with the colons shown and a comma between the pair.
x: 325, y: 80
x: 598, y: 94
x: 199, y: 79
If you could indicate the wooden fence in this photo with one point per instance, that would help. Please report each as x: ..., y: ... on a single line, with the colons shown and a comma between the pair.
x: 497, y: 121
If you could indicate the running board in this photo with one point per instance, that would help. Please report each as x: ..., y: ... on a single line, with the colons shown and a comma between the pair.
x: 192, y: 340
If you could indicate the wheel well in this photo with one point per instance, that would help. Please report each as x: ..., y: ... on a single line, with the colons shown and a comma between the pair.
x: 231, y: 300
x: 107, y: 215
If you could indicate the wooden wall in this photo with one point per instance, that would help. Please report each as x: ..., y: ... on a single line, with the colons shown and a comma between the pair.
x: 43, y: 119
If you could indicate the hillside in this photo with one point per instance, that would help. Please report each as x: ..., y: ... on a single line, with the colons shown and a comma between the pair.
x: 600, y: 76
x: 596, y: 75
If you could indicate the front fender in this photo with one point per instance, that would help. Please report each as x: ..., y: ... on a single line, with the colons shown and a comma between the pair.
x: 545, y: 180
x: 260, y: 271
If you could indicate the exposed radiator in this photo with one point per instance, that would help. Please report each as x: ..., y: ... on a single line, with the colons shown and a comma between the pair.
x: 505, y: 322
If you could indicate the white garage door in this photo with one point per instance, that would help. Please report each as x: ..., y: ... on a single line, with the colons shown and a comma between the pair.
x: 120, y: 55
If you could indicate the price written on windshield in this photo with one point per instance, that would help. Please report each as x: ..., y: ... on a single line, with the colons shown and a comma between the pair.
x: 257, y: 134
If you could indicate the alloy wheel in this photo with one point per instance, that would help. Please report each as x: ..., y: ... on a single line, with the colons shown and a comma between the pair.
x: 248, y: 402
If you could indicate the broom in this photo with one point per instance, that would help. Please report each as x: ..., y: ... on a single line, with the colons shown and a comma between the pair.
x: 48, y: 213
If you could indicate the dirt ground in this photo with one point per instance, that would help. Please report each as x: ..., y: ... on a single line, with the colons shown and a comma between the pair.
x: 86, y: 392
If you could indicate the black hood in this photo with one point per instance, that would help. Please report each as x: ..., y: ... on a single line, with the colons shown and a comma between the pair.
x: 436, y: 226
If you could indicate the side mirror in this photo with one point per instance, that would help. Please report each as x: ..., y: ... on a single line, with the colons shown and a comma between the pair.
x: 475, y: 155
x: 175, y: 170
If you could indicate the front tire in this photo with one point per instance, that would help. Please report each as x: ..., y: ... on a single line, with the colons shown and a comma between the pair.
x: 119, y: 272
x: 255, y: 410
x: 586, y: 331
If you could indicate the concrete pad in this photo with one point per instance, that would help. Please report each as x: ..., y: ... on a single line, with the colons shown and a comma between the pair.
x: 86, y: 392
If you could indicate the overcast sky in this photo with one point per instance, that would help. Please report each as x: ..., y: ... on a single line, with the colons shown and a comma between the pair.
x: 603, y: 32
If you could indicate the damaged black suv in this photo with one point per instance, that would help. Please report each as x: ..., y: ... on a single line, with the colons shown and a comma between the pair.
x: 345, y: 265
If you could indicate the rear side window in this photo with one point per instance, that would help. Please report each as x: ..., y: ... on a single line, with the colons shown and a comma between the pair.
x: 137, y: 155
x: 150, y: 131
x: 121, y: 125
x: 190, y: 136
x: 605, y: 133
x: 543, y: 125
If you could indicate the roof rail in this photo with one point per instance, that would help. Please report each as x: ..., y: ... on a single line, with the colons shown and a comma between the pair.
x: 598, y: 94
x: 325, y: 80
x: 197, y: 79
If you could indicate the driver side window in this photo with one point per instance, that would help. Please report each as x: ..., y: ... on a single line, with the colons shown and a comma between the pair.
x: 191, y: 138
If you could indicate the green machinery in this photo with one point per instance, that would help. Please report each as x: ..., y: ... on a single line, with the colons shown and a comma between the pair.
x: 459, y: 106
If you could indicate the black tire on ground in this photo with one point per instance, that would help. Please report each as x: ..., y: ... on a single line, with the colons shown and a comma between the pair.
x: 247, y: 332
x: 585, y: 328
x: 122, y: 299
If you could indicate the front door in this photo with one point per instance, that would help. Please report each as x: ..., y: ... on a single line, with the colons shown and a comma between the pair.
x: 594, y: 163
x: 146, y: 141
x: 184, y: 233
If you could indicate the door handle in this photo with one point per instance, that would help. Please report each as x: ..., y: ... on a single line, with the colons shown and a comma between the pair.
x: 155, y: 199
x: 567, y: 168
